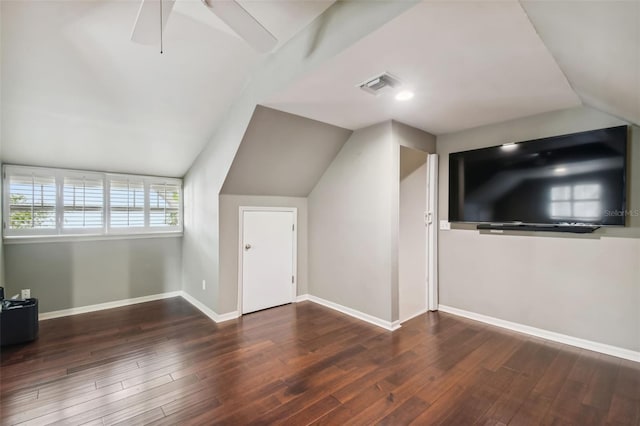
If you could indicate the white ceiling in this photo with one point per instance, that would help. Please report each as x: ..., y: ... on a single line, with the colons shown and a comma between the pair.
x: 77, y: 93
x: 469, y: 63
x: 597, y: 45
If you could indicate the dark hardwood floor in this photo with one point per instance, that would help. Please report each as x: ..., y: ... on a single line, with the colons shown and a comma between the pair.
x: 165, y: 363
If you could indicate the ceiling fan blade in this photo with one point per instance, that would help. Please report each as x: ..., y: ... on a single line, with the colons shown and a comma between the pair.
x: 243, y: 23
x: 146, y: 30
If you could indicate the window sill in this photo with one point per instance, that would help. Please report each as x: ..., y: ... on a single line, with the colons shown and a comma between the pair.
x: 30, y: 239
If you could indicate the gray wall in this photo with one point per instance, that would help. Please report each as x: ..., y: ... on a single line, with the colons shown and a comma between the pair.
x: 582, y: 286
x: 341, y: 25
x: 229, y: 208
x: 405, y: 136
x: 354, y: 221
x: 64, y: 275
x: 350, y: 225
x: 412, y: 249
x: 283, y: 154
x: 410, y: 137
x: 1, y: 242
x: 1, y: 183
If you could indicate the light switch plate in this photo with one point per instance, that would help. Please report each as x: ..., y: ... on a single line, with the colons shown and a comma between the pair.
x: 445, y: 225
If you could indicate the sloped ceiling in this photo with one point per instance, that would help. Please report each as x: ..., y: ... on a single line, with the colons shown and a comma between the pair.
x: 597, y: 45
x: 469, y: 63
x: 283, y: 154
x: 77, y: 93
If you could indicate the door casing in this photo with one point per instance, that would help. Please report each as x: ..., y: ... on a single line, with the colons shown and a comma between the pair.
x: 241, y: 210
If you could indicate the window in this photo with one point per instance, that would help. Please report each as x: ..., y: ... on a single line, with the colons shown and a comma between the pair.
x: 32, y: 202
x: 83, y: 198
x: 576, y: 202
x: 164, y: 204
x: 51, y: 202
x: 127, y: 203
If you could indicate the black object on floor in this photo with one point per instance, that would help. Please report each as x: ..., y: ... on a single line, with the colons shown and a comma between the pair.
x: 18, y: 321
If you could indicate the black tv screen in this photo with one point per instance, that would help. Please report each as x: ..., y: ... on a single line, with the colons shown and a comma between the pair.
x: 576, y: 179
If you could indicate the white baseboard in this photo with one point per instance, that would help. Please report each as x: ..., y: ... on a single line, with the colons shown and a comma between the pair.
x: 126, y: 302
x: 302, y: 298
x: 387, y: 325
x: 207, y: 311
x: 545, y: 334
x: 107, y: 305
x: 417, y: 314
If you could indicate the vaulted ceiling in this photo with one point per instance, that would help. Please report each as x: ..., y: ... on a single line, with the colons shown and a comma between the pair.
x: 472, y: 63
x: 597, y: 46
x: 77, y: 93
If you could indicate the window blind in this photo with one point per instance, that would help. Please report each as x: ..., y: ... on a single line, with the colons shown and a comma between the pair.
x: 126, y: 203
x: 32, y: 201
x: 164, y: 204
x: 83, y: 199
x: 47, y: 202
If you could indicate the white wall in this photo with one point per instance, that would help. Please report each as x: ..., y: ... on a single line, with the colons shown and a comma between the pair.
x: 412, y: 266
x: 584, y: 286
x: 65, y: 275
x: 351, y: 226
x: 337, y: 28
x: 229, y: 218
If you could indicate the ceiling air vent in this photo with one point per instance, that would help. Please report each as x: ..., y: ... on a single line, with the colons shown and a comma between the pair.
x: 380, y: 84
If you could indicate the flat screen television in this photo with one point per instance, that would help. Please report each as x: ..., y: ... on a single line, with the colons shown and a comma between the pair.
x: 571, y: 179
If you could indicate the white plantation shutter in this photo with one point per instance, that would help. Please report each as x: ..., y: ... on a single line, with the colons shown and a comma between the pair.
x: 83, y: 200
x: 46, y: 202
x: 126, y: 203
x: 32, y: 201
x: 164, y: 204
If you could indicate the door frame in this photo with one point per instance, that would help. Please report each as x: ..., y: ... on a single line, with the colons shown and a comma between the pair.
x: 432, y: 232
x: 241, y: 211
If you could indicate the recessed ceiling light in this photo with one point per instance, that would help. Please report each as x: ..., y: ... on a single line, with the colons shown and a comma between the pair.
x: 560, y: 170
x: 509, y: 146
x: 405, y: 95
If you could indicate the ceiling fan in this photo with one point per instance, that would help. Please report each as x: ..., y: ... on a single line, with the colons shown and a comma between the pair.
x: 153, y: 15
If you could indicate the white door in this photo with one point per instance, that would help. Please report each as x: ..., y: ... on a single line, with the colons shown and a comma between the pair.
x: 267, y: 247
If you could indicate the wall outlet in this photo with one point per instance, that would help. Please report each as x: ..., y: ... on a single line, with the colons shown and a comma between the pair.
x: 204, y: 285
x: 445, y: 225
x: 25, y: 293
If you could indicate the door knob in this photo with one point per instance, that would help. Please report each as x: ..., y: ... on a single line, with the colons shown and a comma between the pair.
x: 247, y: 246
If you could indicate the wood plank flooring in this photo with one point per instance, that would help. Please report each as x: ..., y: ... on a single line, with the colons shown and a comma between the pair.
x: 164, y: 363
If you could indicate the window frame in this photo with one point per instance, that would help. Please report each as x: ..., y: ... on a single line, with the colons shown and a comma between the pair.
x: 106, y: 231
x: 129, y: 230
x: 60, y: 207
x: 164, y: 183
x: 6, y: 216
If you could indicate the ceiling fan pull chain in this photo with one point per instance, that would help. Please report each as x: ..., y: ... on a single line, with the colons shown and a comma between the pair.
x: 161, y: 44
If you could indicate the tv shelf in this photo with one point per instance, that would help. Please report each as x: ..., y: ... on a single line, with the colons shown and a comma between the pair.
x: 575, y: 229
